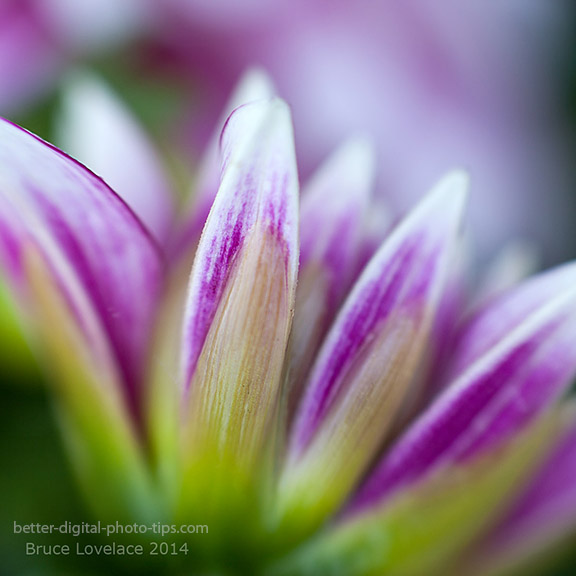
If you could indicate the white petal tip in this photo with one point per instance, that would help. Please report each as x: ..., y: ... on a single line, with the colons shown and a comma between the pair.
x: 255, y: 84
x: 256, y: 120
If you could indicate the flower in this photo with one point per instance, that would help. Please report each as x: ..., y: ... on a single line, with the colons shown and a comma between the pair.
x: 269, y: 396
x: 40, y: 40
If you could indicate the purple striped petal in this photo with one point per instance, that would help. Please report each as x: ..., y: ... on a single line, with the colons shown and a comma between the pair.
x: 242, y: 289
x: 406, y: 276
x: 432, y: 377
x: 512, y: 361
x: 425, y: 531
x: 332, y: 214
x: 372, y: 352
x: 259, y: 188
x: 544, y: 514
x: 254, y: 85
x: 106, y: 263
x: 96, y: 128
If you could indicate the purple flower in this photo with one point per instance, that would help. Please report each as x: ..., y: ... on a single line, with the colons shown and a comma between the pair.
x: 336, y: 400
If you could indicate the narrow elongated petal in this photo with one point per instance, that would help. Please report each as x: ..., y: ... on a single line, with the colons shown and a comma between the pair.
x: 254, y: 85
x: 104, y: 445
x: 514, y: 359
x: 432, y: 377
x: 332, y: 215
x: 105, y: 263
x: 369, y: 357
x: 97, y: 129
x: 543, y: 516
x: 15, y: 354
x: 241, y: 293
x: 424, y: 531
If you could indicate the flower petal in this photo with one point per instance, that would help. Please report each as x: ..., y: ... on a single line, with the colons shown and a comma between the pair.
x: 254, y: 85
x: 332, y: 214
x: 109, y: 459
x: 513, y: 359
x: 106, y: 265
x: 97, y: 129
x: 425, y: 530
x: 432, y: 376
x: 242, y: 287
x: 369, y: 358
x: 542, y: 517
x: 17, y: 360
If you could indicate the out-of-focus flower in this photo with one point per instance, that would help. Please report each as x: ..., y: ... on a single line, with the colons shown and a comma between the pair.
x: 40, y: 39
x: 432, y: 83
x: 242, y: 397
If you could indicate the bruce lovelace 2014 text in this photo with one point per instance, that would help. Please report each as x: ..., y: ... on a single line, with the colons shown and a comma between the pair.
x: 113, y: 549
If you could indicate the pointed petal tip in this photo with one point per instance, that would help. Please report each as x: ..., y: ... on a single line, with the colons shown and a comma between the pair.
x: 258, y: 195
x: 249, y: 122
x: 90, y: 118
x: 252, y: 100
x: 78, y: 223
x: 437, y: 216
x: 255, y: 84
x: 509, y: 365
x: 372, y: 353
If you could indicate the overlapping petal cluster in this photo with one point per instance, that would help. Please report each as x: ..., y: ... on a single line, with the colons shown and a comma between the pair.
x: 335, y: 399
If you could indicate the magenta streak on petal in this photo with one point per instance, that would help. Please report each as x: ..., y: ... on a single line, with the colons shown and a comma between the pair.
x: 218, y: 257
x: 478, y: 411
x: 58, y: 201
x: 84, y: 172
x: 403, y: 281
x: 10, y: 256
x: 216, y: 254
x: 258, y: 189
x: 117, y: 324
x: 253, y: 85
x: 541, y: 380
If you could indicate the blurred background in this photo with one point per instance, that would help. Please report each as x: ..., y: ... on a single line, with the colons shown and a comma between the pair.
x: 489, y: 86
